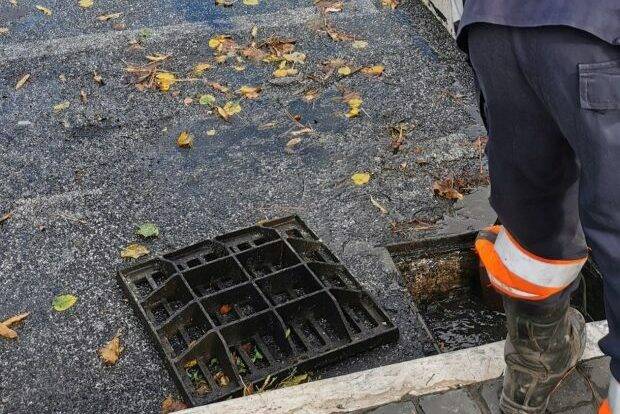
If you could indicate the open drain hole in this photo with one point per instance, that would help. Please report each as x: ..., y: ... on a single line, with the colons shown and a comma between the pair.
x: 459, y: 310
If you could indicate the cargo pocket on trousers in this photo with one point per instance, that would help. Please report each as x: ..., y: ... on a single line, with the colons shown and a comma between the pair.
x: 599, y: 85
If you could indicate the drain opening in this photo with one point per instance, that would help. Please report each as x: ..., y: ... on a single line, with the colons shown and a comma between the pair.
x: 459, y: 309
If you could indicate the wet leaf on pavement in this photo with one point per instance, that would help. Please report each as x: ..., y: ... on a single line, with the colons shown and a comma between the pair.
x: 147, y: 230
x: 22, y: 81
x: 185, y: 140
x: 111, y: 351
x: 44, y: 10
x: 360, y: 178
x: 134, y: 251
x: 63, y: 302
x: 6, y: 325
x: 170, y: 405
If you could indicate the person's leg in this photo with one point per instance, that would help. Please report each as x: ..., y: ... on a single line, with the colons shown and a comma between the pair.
x: 535, y: 258
x: 578, y: 77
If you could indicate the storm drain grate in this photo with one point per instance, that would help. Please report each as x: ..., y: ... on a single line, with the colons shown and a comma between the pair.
x: 229, y: 312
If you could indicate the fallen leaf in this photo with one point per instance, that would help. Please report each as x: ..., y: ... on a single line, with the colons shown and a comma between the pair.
x: 110, y: 16
x: 134, y: 251
x: 5, y: 326
x: 85, y: 3
x: 170, y: 405
x: 390, y: 3
x: 63, y: 302
x: 284, y: 72
x: 344, y: 71
x: 378, y: 205
x: 61, y: 106
x: 359, y: 44
x: 295, y: 57
x: 225, y: 3
x: 221, y: 379
x: 360, y: 178
x: 223, y: 44
x: 301, y: 131
x: 225, y: 309
x: 5, y: 217
x: 185, y: 140
x: 296, y: 380
x: 445, y: 189
x: 355, y: 105
x: 211, y: 132
x: 164, y: 80
x: 111, y: 351
x: 83, y: 96
x: 4, y: 30
x: 251, y: 2
x: 329, y: 6
x: 291, y: 144
x: 157, y: 57
x: 375, y: 70
x: 44, y: 10
x: 119, y: 26
x: 254, y: 31
x: 147, y: 230
x: 98, y: 78
x: 254, y: 53
x: 228, y: 110
x: 250, y: 92
x: 22, y: 81
x: 200, y: 68
x: 206, y: 99
x: 188, y: 101
x: 248, y: 390
x: 219, y: 87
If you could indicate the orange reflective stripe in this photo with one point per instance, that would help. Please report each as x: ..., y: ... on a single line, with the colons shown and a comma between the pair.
x: 509, y: 280
x: 604, y: 408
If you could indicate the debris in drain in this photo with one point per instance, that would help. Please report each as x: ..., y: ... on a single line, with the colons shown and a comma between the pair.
x: 244, y: 312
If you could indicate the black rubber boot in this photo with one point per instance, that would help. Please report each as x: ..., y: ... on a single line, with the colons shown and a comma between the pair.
x: 544, y: 343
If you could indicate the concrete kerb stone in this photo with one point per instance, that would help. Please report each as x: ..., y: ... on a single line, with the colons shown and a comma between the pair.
x: 383, y: 385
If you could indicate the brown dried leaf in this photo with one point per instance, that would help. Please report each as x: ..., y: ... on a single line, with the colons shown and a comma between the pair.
x: 5, y: 217
x: 98, y: 78
x: 111, y: 351
x: 225, y: 309
x: 157, y: 57
x: 445, y: 189
x: 375, y: 70
x: 5, y: 326
x: 6, y: 332
x: 250, y: 92
x: 219, y: 87
x: 170, y: 405
x: 392, y: 4
x: 185, y: 140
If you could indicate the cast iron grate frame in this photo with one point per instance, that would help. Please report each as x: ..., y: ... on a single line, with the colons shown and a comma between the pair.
x: 223, y: 316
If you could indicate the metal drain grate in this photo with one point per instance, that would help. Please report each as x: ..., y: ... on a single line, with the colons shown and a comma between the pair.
x: 229, y: 312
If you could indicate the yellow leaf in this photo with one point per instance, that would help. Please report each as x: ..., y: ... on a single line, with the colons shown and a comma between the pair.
x: 283, y: 72
x: 344, y: 71
x: 250, y: 92
x: 61, y: 106
x: 251, y: 2
x: 200, y: 68
x: 185, y: 140
x: 297, y: 57
x: 375, y: 70
x: 6, y: 332
x: 134, y: 251
x: 221, y: 58
x: 63, y: 302
x: 211, y: 132
x: 354, y: 107
x: 164, y: 80
x: 390, y: 3
x: 360, y: 178
x: 86, y: 3
x: 225, y: 3
x: 44, y: 10
x: 229, y: 109
x: 111, y: 351
x: 110, y: 16
x: 216, y: 41
x: 22, y: 81
x: 360, y: 44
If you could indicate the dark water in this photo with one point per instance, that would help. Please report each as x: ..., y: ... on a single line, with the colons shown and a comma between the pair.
x: 461, y: 320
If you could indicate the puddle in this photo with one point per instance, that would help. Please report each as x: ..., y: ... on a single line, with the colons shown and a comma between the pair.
x: 443, y: 279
